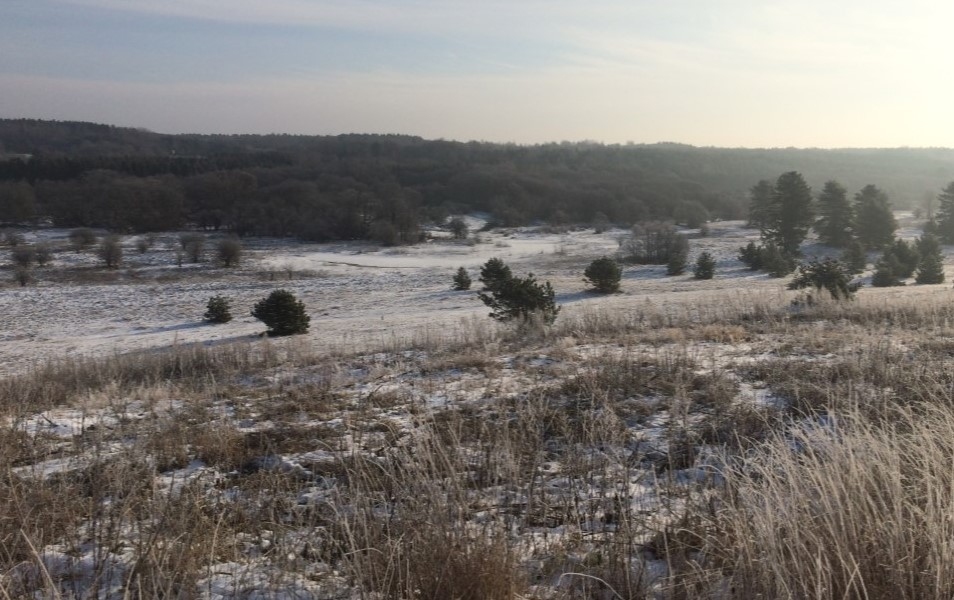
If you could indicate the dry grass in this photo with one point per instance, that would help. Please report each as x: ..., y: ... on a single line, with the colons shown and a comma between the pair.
x: 612, y: 456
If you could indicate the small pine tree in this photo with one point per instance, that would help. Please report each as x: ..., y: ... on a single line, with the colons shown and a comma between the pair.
x: 705, y: 266
x: 678, y: 256
x: 218, y: 310
x: 493, y: 273
x: 908, y: 255
x: 751, y: 256
x: 931, y: 267
x: 855, y: 258
x: 462, y: 279
x: 604, y: 275
x: 776, y: 262
x: 283, y: 313
x: 828, y: 274
x: 517, y: 298
x: 886, y: 271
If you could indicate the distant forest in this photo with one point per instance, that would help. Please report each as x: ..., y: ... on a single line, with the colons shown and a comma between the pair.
x: 388, y: 187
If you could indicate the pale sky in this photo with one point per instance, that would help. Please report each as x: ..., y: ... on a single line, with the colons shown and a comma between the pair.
x: 807, y: 73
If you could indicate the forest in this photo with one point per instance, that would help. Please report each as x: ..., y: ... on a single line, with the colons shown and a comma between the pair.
x: 388, y: 187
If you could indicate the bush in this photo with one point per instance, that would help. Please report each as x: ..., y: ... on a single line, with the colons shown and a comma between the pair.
x: 111, y: 251
x: 23, y: 256
x: 82, y: 238
x: 705, y: 266
x: 604, y: 275
x: 461, y: 279
x: 516, y: 298
x: 218, y: 310
x: 652, y: 244
x: 828, y: 274
x: 44, y: 253
x: 229, y: 252
x: 493, y: 273
x: 775, y: 262
x: 458, y: 228
x: 283, y: 313
x: 192, y: 244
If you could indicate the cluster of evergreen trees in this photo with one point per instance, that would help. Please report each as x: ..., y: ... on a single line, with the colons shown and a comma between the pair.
x: 786, y: 211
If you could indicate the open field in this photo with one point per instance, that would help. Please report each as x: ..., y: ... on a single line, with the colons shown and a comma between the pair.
x: 682, y: 439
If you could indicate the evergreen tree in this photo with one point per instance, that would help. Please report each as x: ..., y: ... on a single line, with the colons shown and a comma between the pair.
x: 751, y: 256
x: 874, y: 222
x: 760, y: 203
x: 705, y: 266
x: 854, y: 258
x: 218, y: 310
x: 604, y: 275
x: 835, y: 216
x: 493, y: 273
x: 908, y: 255
x: 283, y: 313
x: 776, y: 262
x: 678, y: 256
x: 461, y: 279
x: 517, y: 298
x: 791, y: 213
x: 886, y: 271
x: 931, y: 266
x: 828, y: 274
x: 945, y: 214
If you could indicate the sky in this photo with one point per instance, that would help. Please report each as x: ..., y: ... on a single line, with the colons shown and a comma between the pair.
x: 735, y: 73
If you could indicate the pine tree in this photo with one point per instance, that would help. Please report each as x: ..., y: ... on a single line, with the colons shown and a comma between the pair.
x: 908, y: 255
x: 828, y: 274
x: 493, y: 273
x: 678, y: 257
x: 931, y: 266
x: 834, y: 223
x: 886, y: 271
x: 855, y: 258
x: 218, y: 310
x: 461, y: 279
x: 791, y: 214
x: 705, y: 266
x: 517, y: 298
x: 283, y: 313
x: 760, y: 203
x: 945, y: 214
x: 604, y: 275
x: 874, y: 222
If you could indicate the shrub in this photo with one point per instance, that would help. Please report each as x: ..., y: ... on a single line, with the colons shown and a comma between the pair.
x: 229, y: 252
x: 111, y: 251
x: 218, y: 310
x: 461, y: 279
x: 828, y: 274
x: 13, y: 238
x: 493, y: 273
x: 82, y: 238
x: 283, y: 313
x: 22, y: 275
x: 521, y: 298
x: 458, y: 228
x: 23, y: 256
x: 192, y: 244
x: 705, y: 266
x: 44, y: 253
x: 145, y: 242
x: 600, y: 223
x: 604, y: 275
x: 652, y: 244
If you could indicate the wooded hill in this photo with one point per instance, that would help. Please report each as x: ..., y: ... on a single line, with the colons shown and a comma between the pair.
x: 386, y: 186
